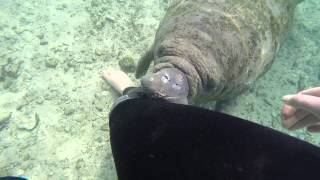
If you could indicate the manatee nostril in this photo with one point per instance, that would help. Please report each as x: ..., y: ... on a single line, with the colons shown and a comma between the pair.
x: 176, y: 87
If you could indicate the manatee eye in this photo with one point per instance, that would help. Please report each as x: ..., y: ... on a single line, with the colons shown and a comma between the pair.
x: 165, y: 78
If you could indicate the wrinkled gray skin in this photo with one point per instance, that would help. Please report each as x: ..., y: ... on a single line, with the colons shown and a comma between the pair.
x: 220, y: 46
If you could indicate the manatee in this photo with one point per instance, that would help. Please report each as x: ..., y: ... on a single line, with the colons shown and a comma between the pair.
x: 208, y: 50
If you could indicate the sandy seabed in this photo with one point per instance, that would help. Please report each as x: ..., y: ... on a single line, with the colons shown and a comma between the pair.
x: 54, y: 106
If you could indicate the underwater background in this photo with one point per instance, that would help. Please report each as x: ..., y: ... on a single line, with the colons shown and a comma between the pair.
x: 54, y: 105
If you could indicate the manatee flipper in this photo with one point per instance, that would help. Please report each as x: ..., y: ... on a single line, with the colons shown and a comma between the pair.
x: 144, y: 63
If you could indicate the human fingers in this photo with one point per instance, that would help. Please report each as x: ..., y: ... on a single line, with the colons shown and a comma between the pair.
x: 117, y: 79
x: 108, y: 77
x: 314, y: 128
x: 112, y: 75
x: 106, y: 74
x: 306, y: 102
x: 307, y: 121
x: 287, y: 111
x: 298, y: 115
x: 312, y: 91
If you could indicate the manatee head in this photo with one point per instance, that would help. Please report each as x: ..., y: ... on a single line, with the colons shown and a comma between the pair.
x: 168, y: 83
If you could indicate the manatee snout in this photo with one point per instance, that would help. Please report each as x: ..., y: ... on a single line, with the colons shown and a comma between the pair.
x: 169, y: 83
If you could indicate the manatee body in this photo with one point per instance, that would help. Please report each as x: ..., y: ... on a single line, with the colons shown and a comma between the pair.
x: 219, y: 46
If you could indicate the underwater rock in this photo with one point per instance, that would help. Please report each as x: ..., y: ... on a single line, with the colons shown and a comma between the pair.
x: 221, y: 47
x: 71, y: 63
x: 1, y: 73
x: 101, y: 99
x: 99, y: 52
x: 40, y: 36
x: 61, y: 7
x: 95, y: 3
x: 127, y: 64
x: 68, y: 109
x: 99, y: 104
x: 67, y: 128
x: 110, y: 19
x: 18, y: 29
x: 43, y: 42
x: 303, y: 82
x: 105, y: 127
x: 12, y: 68
x: 26, y: 157
x: 4, y: 118
x: 7, y: 82
x: 20, y: 104
x: 40, y: 100
x: 3, y: 61
x: 52, y: 62
x: 28, y: 124
x: 80, y: 164
x: 99, y: 14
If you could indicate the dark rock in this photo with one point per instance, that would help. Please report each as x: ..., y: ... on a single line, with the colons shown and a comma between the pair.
x: 127, y: 64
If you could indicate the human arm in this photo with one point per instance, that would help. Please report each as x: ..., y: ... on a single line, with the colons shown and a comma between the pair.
x: 302, y: 110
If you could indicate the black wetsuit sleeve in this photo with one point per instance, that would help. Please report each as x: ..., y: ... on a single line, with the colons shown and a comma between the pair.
x: 126, y: 91
x: 135, y: 92
x: 130, y: 93
x: 157, y: 140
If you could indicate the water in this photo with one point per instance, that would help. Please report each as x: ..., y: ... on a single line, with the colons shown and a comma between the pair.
x: 54, y: 106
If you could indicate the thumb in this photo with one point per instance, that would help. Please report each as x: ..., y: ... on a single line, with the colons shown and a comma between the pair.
x: 288, y: 98
x: 306, y: 102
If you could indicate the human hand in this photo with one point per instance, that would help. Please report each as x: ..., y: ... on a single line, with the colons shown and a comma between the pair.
x: 302, y: 110
x: 117, y: 79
